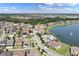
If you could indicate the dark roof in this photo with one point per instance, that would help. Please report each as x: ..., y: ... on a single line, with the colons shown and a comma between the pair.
x: 2, y: 43
x: 6, y: 54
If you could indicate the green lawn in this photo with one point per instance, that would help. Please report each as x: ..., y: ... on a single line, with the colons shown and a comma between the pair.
x: 18, y: 47
x: 64, y: 50
x: 49, y: 27
x: 29, y: 37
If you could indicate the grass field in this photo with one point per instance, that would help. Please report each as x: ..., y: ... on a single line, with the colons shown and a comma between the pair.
x: 64, y: 50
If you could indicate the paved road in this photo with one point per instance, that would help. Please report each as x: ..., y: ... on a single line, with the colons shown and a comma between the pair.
x: 42, y: 46
x: 22, y: 48
x: 2, y: 34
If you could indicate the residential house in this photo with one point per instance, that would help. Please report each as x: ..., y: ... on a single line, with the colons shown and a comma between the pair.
x: 10, y: 30
x: 18, y: 42
x: 32, y: 52
x: 55, y: 43
x: 10, y: 43
x: 74, y: 51
x: 40, y: 29
x: 3, y: 43
x: 47, y: 38
x: 26, y: 43
x: 19, y: 53
x: 10, y: 53
x: 26, y: 31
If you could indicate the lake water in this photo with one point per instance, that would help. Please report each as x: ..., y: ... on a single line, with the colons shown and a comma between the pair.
x: 68, y: 34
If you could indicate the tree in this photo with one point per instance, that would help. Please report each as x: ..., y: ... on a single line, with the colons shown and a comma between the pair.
x: 7, y: 37
x: 7, y: 50
x: 19, y: 33
x: 14, y: 41
x: 26, y: 53
x: 43, y: 41
x: 39, y: 48
x: 39, y: 34
x: 41, y: 52
x: 1, y: 51
x: 33, y: 45
x: 22, y: 43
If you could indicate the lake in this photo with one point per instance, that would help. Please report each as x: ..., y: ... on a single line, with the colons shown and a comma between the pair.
x: 68, y: 34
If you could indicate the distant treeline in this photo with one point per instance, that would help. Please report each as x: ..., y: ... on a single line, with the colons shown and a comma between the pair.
x: 36, y: 21
x: 16, y: 20
x: 43, y: 21
x: 71, y: 18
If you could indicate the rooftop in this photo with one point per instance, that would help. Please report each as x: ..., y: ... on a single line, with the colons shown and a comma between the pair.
x: 54, y: 43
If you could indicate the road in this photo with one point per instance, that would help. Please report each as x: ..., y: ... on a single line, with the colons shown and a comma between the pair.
x: 39, y: 43
x: 42, y: 46
x: 22, y: 48
x: 2, y: 34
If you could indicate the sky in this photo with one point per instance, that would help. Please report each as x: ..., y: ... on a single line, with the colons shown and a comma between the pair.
x: 39, y: 8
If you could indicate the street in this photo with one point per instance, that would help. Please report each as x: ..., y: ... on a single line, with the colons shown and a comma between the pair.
x: 42, y: 46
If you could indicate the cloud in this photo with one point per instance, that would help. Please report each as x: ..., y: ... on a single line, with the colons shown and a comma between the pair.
x: 72, y: 4
x: 12, y: 8
x: 47, y: 9
x: 40, y: 6
x: 61, y: 4
x: 7, y: 9
x: 42, y: 9
x: 49, y: 3
x: 53, y: 4
x: 4, y: 7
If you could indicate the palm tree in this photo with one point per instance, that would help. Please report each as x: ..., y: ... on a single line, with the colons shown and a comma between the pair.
x: 22, y: 43
x: 14, y: 41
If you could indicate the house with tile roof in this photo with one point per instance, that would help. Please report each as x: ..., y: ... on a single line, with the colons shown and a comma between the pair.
x: 55, y: 43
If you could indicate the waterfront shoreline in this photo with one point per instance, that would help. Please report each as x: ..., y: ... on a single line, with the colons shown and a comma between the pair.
x: 63, y: 45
